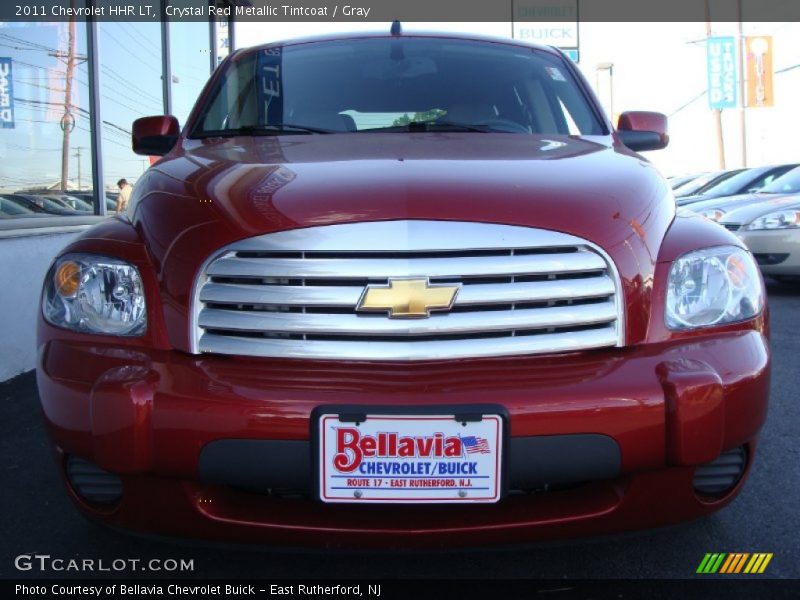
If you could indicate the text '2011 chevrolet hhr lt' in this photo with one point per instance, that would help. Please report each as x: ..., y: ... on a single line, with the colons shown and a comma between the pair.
x: 397, y: 290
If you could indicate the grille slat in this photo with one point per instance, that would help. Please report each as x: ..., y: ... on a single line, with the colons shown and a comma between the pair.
x: 499, y: 293
x: 341, y: 268
x: 378, y: 324
x: 422, y: 350
x: 295, y: 293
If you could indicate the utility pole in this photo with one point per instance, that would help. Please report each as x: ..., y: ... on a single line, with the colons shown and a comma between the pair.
x: 716, y: 112
x: 742, y: 84
x: 68, y: 120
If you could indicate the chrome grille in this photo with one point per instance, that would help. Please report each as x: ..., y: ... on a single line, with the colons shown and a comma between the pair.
x: 294, y: 293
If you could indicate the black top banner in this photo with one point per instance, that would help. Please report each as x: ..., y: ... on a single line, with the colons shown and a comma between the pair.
x: 404, y: 10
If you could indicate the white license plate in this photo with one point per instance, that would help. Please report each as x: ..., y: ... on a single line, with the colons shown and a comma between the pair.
x: 410, y: 459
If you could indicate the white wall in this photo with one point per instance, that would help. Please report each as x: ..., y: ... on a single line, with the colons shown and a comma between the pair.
x: 23, y: 264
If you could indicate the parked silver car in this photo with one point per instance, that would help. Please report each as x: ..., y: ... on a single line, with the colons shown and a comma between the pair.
x: 771, y: 230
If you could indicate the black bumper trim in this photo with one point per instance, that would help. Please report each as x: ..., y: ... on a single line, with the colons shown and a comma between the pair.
x: 285, y: 465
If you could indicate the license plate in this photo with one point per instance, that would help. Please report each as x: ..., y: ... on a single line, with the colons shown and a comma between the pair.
x: 410, y: 459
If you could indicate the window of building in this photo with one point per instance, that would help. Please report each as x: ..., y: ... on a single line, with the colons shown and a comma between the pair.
x: 45, y: 144
x: 131, y: 67
x: 190, y: 54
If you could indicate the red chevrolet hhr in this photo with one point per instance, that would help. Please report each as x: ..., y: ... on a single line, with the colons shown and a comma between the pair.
x: 396, y: 290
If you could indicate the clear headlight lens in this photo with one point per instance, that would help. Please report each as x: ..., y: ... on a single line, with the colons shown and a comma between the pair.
x: 782, y: 219
x: 95, y: 294
x: 714, y: 214
x: 713, y: 287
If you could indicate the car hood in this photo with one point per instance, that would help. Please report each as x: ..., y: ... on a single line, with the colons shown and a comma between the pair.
x: 209, y: 193
x: 750, y: 212
x: 684, y: 200
x: 255, y: 185
x: 729, y: 202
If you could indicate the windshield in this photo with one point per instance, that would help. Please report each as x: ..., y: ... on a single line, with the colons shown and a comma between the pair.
x: 697, y: 185
x: 397, y: 84
x: 731, y: 185
x: 785, y: 184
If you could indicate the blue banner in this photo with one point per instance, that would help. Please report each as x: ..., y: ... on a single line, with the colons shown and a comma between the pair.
x: 6, y: 94
x: 722, y: 72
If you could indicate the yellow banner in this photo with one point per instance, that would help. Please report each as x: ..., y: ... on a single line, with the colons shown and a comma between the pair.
x: 760, y: 89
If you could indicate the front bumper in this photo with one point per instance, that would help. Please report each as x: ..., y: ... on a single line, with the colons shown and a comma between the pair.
x: 151, y: 415
x: 777, y: 252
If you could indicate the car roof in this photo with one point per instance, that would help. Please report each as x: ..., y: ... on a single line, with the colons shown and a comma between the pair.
x: 470, y: 37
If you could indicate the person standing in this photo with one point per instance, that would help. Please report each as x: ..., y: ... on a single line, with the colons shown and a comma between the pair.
x: 125, y: 190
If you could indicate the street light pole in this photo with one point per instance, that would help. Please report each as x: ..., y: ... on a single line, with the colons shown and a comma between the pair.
x: 607, y: 66
x: 78, y: 156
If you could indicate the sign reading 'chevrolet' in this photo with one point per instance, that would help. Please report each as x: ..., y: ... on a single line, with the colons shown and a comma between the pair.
x: 722, y: 80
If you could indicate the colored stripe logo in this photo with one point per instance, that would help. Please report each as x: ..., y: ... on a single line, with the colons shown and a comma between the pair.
x: 735, y: 562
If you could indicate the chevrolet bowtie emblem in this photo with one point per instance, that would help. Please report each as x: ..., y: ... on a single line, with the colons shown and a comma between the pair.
x: 408, y: 298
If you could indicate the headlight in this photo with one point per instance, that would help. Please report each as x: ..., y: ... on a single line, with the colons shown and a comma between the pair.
x: 713, y: 287
x: 782, y: 219
x: 714, y: 214
x: 95, y: 294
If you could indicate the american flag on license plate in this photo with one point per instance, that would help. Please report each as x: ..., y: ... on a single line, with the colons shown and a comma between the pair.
x: 476, y: 444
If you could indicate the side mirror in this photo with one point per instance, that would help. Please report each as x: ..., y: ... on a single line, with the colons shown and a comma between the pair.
x: 640, y: 130
x: 155, y: 136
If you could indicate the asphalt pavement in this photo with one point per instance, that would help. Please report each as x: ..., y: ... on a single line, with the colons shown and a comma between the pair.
x: 38, y: 518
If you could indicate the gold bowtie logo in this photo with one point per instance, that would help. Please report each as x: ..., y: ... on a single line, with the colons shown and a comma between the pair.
x: 408, y: 298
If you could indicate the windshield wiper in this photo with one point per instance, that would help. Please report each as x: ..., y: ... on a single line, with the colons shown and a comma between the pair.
x: 282, y: 129
x: 427, y: 126
x: 450, y: 126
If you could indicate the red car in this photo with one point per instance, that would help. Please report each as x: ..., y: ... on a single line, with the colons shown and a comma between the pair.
x: 402, y: 290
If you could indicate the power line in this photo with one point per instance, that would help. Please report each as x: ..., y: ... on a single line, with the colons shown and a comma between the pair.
x: 135, y: 56
x: 155, y: 53
x: 785, y: 69
x: 705, y: 91
x: 27, y: 42
x: 108, y: 72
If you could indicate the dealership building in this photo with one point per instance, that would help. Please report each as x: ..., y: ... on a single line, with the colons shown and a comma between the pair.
x: 69, y: 92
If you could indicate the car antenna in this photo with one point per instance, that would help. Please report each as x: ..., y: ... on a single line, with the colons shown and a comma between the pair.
x: 397, y: 28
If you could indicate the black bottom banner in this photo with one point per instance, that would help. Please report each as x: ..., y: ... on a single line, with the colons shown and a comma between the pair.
x: 462, y: 589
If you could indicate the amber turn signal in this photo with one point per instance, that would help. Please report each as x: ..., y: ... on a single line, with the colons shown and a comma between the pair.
x: 67, y: 279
